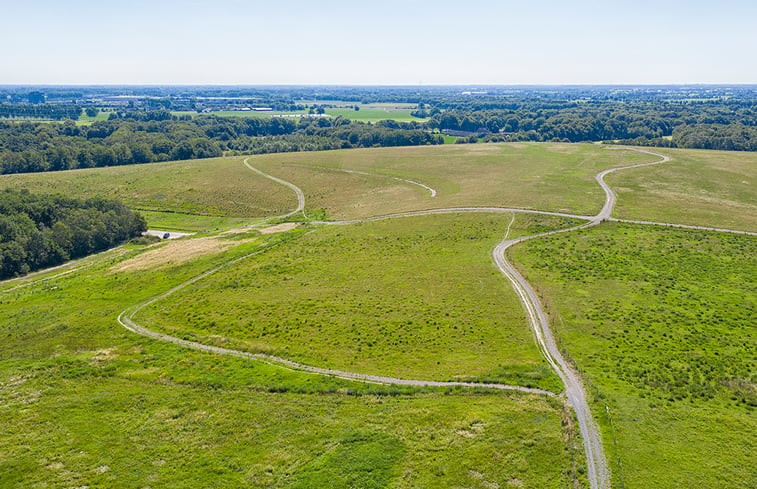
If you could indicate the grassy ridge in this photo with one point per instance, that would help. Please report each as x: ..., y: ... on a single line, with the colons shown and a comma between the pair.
x: 173, y: 192
x: 415, y: 297
x: 707, y: 188
x: 86, y: 402
x: 662, y: 324
x: 554, y: 177
x: 557, y: 177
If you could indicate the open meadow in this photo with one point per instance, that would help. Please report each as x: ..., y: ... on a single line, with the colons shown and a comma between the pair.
x: 415, y: 297
x: 658, y: 321
x: 706, y: 188
x: 196, y: 195
x: 190, y: 195
x: 549, y: 177
x: 366, y: 112
x: 662, y: 324
x: 86, y: 402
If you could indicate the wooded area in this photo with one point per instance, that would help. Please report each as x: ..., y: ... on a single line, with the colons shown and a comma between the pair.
x: 158, y: 136
x: 38, y: 231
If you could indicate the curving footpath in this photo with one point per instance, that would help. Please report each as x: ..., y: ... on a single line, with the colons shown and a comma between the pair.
x: 356, y: 172
x: 597, y: 470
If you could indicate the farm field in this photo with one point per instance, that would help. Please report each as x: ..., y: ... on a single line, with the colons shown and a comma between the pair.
x: 373, y: 113
x: 415, y: 297
x: 88, y: 403
x: 367, y: 113
x: 707, y: 188
x: 661, y: 322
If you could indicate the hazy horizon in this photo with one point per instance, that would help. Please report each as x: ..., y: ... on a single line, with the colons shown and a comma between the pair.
x: 424, y: 43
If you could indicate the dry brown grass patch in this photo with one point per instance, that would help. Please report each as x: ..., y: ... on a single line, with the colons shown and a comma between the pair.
x: 279, y: 228
x: 176, y: 252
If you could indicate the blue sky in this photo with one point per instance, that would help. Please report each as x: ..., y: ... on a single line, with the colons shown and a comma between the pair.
x: 388, y: 42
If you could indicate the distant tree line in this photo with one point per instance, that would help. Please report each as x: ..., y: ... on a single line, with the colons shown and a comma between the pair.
x: 40, y: 111
x: 158, y: 136
x: 728, y: 137
x: 592, y: 121
x: 38, y: 231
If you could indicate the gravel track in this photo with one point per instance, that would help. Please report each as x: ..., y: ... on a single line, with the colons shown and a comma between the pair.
x: 683, y: 226
x: 597, y: 470
x: 453, y: 210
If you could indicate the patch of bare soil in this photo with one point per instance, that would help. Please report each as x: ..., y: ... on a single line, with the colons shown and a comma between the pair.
x: 174, y: 253
x: 279, y: 228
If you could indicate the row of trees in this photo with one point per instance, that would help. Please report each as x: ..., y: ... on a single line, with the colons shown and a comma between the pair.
x: 35, y: 147
x: 38, y: 231
x: 40, y: 111
x: 595, y: 121
x: 728, y: 137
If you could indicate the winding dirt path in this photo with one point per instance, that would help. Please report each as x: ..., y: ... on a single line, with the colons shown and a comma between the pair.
x: 413, y: 182
x: 684, y: 226
x: 297, y: 191
x: 597, y: 469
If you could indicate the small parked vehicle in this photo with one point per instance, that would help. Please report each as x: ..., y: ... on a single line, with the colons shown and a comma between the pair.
x: 166, y: 235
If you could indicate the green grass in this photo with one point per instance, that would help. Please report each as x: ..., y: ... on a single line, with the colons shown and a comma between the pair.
x: 368, y: 114
x: 661, y: 321
x: 416, y: 297
x: 101, y: 116
x: 555, y: 177
x: 234, y: 113
x: 86, y: 402
x: 175, y: 221
x: 173, y: 192
x: 707, y: 188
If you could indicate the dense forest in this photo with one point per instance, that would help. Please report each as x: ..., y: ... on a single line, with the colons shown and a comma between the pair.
x: 144, y: 125
x: 159, y: 136
x: 38, y: 231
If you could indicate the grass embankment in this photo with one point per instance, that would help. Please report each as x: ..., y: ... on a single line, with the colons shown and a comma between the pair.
x: 661, y: 321
x: 698, y: 187
x: 191, y: 195
x: 86, y: 402
x: 416, y: 297
x: 198, y: 195
x: 551, y: 177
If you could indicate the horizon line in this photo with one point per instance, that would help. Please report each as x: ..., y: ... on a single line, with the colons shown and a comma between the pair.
x: 360, y: 85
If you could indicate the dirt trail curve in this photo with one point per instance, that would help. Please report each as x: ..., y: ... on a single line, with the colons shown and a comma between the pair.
x: 126, y: 321
x: 597, y: 470
x: 297, y: 190
x: 356, y: 172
